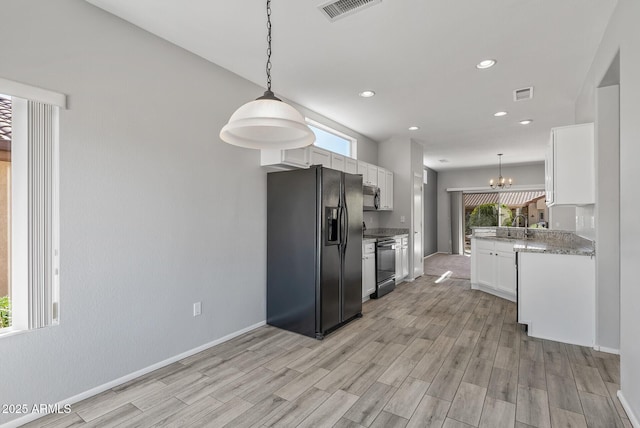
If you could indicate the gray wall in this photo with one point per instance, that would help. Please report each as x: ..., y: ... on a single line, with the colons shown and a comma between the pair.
x: 522, y: 175
x: 622, y: 36
x: 431, y: 213
x: 404, y: 157
x: 156, y: 212
x: 607, y: 213
x: 395, y: 155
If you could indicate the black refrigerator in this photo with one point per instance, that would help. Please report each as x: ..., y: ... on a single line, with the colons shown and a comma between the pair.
x: 314, y: 250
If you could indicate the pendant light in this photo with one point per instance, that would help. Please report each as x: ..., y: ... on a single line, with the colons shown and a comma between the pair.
x: 502, y: 182
x: 267, y: 122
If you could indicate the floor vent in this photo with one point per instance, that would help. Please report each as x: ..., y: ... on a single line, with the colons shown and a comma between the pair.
x: 335, y: 10
x: 523, y: 94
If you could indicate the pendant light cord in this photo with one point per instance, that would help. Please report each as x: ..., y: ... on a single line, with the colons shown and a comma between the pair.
x: 268, y: 67
x: 269, y: 95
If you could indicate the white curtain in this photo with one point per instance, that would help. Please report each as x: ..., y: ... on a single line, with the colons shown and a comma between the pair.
x: 457, y: 223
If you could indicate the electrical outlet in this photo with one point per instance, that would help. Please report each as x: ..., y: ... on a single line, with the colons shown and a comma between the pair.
x: 402, y: 219
x: 197, y: 309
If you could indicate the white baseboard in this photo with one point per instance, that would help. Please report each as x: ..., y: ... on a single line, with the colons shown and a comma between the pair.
x: 633, y: 418
x: 433, y: 254
x: 98, y: 389
x: 607, y: 350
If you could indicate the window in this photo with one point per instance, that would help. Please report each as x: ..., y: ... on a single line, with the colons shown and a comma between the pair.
x: 28, y: 206
x: 332, y: 140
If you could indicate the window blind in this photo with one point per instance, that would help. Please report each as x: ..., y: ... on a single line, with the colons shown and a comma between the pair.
x: 42, y: 142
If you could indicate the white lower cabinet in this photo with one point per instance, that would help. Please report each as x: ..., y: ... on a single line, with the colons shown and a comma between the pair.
x: 402, y: 257
x: 493, y: 268
x: 398, y: 259
x: 556, y: 297
x: 506, y: 271
x: 368, y: 269
x: 405, y: 256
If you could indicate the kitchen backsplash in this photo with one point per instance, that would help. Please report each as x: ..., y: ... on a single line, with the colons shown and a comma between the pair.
x: 586, y: 221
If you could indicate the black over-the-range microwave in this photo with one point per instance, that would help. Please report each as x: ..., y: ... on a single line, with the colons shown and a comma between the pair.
x: 370, y: 198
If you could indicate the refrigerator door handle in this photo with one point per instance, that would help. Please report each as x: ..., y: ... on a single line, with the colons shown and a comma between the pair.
x: 346, y: 226
x: 342, y: 224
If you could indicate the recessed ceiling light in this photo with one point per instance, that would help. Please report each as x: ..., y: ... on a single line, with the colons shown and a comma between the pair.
x: 367, y: 94
x: 487, y: 63
x: 414, y: 128
x: 525, y: 122
x: 500, y: 114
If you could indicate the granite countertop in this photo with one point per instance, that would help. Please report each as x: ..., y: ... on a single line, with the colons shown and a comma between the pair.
x: 553, y: 248
x: 547, y: 242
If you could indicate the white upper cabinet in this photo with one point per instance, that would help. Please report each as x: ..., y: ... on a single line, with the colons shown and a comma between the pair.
x: 362, y: 170
x: 383, y: 188
x: 369, y: 173
x: 337, y: 162
x: 385, y: 184
x: 350, y: 166
x: 388, y: 186
x: 318, y: 156
x: 372, y: 174
x: 570, y: 166
x: 284, y: 159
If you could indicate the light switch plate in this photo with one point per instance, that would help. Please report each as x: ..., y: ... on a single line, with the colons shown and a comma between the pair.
x: 402, y: 219
x: 197, y: 309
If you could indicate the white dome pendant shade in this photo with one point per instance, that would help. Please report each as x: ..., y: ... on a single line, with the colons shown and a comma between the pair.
x: 267, y: 123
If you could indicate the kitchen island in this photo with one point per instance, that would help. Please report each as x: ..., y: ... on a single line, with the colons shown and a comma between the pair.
x: 550, y: 274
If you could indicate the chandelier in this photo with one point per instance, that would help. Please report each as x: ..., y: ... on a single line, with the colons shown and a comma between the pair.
x: 502, y: 183
x: 267, y: 122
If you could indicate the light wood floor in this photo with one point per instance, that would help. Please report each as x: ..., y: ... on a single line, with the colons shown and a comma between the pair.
x: 426, y: 355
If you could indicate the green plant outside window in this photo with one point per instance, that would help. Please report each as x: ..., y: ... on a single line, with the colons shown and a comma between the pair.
x: 5, y: 312
x: 486, y: 215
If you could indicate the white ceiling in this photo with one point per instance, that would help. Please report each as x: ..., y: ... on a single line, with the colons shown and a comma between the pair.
x: 418, y: 55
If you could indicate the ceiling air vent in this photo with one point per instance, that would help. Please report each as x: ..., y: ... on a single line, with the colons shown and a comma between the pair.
x: 334, y: 10
x: 523, y: 94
